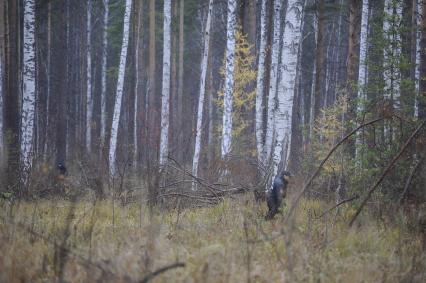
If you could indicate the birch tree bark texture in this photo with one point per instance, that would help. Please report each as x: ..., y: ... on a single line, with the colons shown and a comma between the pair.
x: 229, y: 79
x: 28, y: 99
x: 260, y: 85
x: 119, y: 92
x: 204, y: 66
x: 165, y: 94
x: 287, y: 83
x: 273, y: 80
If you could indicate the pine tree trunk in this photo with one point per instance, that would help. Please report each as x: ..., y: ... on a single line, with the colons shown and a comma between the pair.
x: 407, y: 76
x: 180, y: 81
x: 89, y: 99
x: 119, y: 92
x: 151, y: 134
x: 273, y: 83
x: 319, y: 61
x: 260, y: 85
x: 286, y: 88
x: 104, y: 71
x: 422, y: 68
x: 229, y: 79
x: 2, y: 50
x: 165, y: 94
x: 138, y: 69
x: 204, y: 66
x: 29, y: 94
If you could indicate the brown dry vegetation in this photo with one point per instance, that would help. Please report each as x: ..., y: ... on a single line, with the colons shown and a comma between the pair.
x: 229, y: 242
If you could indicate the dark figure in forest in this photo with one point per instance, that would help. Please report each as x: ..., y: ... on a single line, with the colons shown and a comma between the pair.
x: 274, y: 196
x: 62, y: 171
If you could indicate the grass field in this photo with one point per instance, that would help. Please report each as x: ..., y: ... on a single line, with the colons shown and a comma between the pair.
x: 43, y: 241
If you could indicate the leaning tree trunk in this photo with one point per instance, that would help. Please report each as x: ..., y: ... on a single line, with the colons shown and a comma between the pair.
x: 29, y: 94
x: 104, y: 72
x: 119, y: 93
x: 204, y: 66
x: 286, y: 89
x: 164, y: 137
x: 260, y: 85
x: 229, y: 79
x: 273, y: 80
x: 89, y: 99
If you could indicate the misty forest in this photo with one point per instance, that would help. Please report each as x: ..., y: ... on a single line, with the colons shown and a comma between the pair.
x: 212, y: 141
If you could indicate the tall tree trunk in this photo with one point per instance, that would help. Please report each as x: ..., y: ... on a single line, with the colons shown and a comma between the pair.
x: 352, y: 62
x: 2, y: 49
x: 104, y: 71
x: 151, y: 134
x: 260, y: 85
x: 319, y: 61
x: 229, y: 79
x: 204, y: 66
x: 362, y: 72
x: 138, y: 68
x: 11, y: 95
x: 29, y: 94
x: 286, y: 88
x: 180, y: 80
x: 407, y: 45
x: 273, y: 83
x: 119, y: 92
x: 89, y: 99
x: 422, y: 68
x: 165, y: 94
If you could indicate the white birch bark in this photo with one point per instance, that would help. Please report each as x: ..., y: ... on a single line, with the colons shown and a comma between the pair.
x: 260, y: 85
x: 28, y: 99
x: 89, y: 99
x: 286, y: 88
x: 273, y: 80
x: 362, y: 73
x: 119, y: 92
x: 229, y: 79
x: 165, y: 94
x: 104, y: 71
x: 204, y: 63
x: 137, y: 66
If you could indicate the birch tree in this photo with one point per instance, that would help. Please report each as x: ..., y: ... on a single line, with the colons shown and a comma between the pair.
x: 260, y: 85
x: 28, y: 99
x: 273, y: 79
x: 165, y: 94
x: 104, y: 70
x: 362, y: 73
x: 229, y: 79
x: 119, y: 92
x: 286, y: 89
x: 204, y: 66
x: 89, y: 99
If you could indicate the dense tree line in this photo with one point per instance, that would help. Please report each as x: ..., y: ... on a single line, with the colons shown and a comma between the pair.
x: 130, y: 84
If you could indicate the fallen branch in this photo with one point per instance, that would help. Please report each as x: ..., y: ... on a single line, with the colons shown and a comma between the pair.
x: 388, y: 168
x: 337, y: 205
x: 306, y: 186
x: 151, y: 275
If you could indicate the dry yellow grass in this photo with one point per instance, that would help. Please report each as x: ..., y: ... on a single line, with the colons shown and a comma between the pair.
x: 229, y: 242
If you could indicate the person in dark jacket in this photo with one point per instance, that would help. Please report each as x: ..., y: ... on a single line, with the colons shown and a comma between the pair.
x: 274, y: 196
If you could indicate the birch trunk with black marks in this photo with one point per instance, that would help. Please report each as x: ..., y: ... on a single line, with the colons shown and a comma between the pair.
x: 119, y: 92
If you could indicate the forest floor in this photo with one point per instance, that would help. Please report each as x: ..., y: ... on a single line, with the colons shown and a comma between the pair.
x: 45, y: 241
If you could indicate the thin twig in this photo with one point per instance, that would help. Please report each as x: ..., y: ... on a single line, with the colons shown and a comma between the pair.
x: 382, y: 177
x: 337, y: 205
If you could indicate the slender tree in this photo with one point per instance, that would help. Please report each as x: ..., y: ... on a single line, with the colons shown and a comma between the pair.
x: 89, y: 98
x: 260, y: 85
x: 29, y: 91
x: 229, y: 79
x: 422, y: 68
x: 204, y: 66
x: 165, y: 96
x: 104, y: 71
x: 180, y: 77
x: 119, y: 92
x: 138, y: 69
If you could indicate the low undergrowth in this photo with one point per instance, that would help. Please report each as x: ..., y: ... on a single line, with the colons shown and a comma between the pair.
x: 43, y: 241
